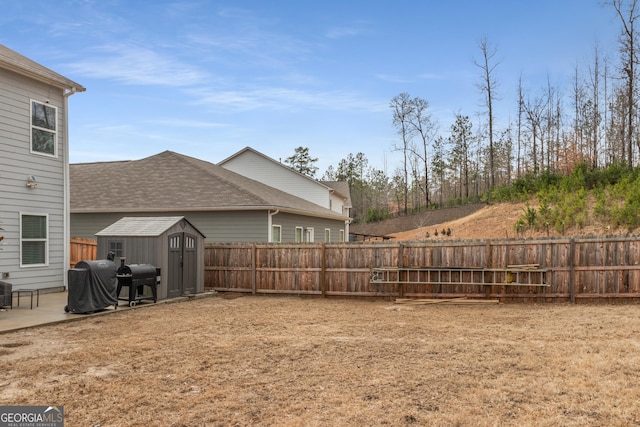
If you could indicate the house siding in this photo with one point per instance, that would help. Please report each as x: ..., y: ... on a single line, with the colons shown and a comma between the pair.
x: 18, y: 163
x: 217, y: 226
x: 289, y: 222
x: 220, y: 227
x: 259, y: 168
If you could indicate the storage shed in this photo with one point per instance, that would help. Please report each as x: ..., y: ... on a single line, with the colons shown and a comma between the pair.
x: 172, y: 244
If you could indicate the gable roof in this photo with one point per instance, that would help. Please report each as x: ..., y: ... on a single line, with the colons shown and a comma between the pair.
x: 341, y: 188
x: 20, y: 64
x: 142, y: 226
x: 290, y: 169
x: 169, y: 182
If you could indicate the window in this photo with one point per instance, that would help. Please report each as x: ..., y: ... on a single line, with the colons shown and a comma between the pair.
x: 342, y: 235
x: 310, y: 237
x: 33, y: 240
x: 298, y: 234
x: 43, y: 128
x: 275, y: 234
x: 116, y: 248
x: 327, y: 234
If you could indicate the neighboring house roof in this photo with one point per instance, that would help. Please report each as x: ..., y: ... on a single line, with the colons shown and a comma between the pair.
x: 141, y: 226
x: 20, y: 64
x: 341, y: 188
x: 249, y: 149
x: 170, y: 181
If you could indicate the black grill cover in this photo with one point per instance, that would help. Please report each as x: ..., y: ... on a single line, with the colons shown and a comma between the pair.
x: 92, y: 286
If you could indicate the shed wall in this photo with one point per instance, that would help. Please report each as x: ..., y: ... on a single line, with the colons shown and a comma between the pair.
x: 155, y: 250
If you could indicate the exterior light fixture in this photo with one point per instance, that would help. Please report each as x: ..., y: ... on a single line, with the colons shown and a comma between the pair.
x: 32, y: 182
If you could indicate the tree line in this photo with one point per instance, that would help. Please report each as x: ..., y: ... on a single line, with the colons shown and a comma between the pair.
x: 553, y: 130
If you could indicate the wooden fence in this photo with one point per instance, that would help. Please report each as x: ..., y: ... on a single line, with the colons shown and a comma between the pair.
x: 81, y: 249
x: 575, y: 270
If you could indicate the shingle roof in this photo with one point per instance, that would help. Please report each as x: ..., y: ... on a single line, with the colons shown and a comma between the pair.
x: 342, y: 188
x: 140, y: 226
x: 18, y: 63
x: 170, y: 181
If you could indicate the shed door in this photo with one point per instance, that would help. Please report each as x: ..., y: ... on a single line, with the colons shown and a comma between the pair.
x: 183, y: 265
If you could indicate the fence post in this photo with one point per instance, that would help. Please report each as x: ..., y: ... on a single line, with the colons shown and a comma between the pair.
x: 323, y: 285
x: 488, y: 263
x: 400, y: 272
x: 572, y: 270
x: 254, y: 272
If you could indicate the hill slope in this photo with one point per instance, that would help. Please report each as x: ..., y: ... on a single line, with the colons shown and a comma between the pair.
x: 496, y: 222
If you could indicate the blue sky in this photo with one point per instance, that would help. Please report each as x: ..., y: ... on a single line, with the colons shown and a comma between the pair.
x: 208, y: 78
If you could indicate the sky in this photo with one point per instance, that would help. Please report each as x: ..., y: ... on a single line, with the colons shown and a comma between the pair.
x: 208, y: 78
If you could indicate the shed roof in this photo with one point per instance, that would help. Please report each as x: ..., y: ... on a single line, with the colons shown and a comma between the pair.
x: 169, y: 181
x: 142, y: 226
x: 12, y: 60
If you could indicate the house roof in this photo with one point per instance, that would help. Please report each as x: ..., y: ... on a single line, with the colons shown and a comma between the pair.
x: 341, y: 188
x: 20, y: 64
x: 170, y: 181
x: 141, y: 226
x: 251, y: 150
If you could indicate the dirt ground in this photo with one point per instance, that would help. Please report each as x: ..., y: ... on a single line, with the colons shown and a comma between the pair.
x: 289, y: 361
x: 497, y: 222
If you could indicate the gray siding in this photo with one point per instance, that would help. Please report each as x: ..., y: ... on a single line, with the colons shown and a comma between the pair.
x: 289, y: 222
x: 218, y: 227
x: 17, y: 164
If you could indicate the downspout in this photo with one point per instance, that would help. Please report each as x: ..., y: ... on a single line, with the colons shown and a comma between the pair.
x: 270, y: 225
x: 66, y: 190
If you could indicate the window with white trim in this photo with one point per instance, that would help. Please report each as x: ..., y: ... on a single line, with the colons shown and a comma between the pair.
x: 34, y: 240
x: 299, y: 235
x: 310, y: 235
x: 276, y: 234
x: 327, y: 234
x: 342, y: 235
x: 44, y: 129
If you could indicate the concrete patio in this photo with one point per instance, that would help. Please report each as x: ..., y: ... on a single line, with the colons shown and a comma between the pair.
x: 50, y: 309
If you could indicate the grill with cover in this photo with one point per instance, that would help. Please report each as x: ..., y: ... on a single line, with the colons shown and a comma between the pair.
x: 136, y: 277
x: 92, y: 286
x: 5, y: 294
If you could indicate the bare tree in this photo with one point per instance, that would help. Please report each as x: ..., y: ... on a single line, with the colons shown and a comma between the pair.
x: 534, y: 111
x: 403, y: 108
x: 424, y: 127
x: 626, y: 11
x: 488, y: 86
x: 596, y: 116
x: 519, y: 126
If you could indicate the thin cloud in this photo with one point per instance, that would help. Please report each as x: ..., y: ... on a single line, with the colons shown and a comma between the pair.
x: 346, y: 31
x: 137, y: 66
x: 187, y: 123
x: 288, y: 99
x: 391, y: 78
x: 431, y: 76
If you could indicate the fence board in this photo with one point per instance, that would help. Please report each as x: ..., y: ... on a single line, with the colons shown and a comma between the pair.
x: 593, y: 269
x: 81, y: 249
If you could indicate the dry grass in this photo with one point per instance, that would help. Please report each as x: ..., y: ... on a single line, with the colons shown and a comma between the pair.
x: 286, y: 361
x: 497, y: 222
